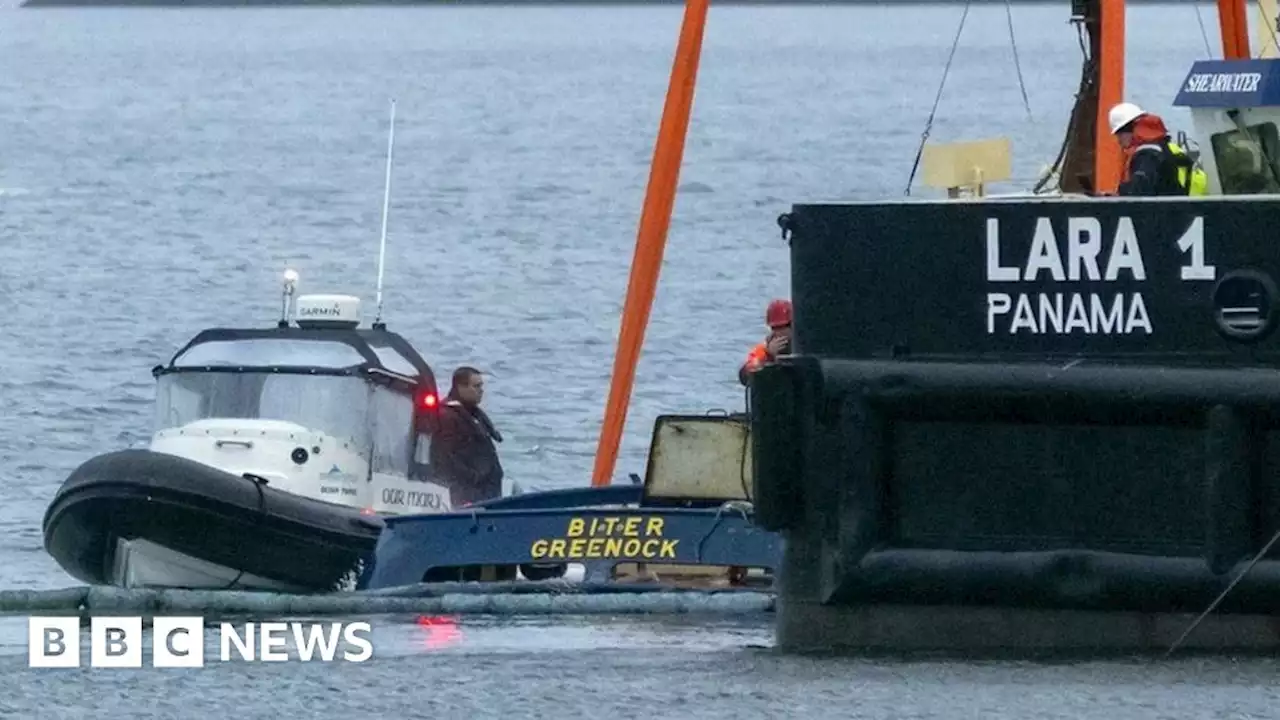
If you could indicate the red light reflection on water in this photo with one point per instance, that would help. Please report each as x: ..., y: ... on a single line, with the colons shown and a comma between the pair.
x: 438, y: 631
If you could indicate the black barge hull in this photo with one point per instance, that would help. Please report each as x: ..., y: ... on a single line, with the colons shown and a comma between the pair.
x: 1027, y: 424
x: 203, y: 512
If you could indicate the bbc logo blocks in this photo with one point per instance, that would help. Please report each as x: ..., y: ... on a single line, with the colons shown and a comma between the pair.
x: 115, y: 642
x: 53, y: 642
x: 179, y: 642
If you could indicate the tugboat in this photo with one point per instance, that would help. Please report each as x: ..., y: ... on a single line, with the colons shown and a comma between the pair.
x: 275, y: 450
x: 688, y: 522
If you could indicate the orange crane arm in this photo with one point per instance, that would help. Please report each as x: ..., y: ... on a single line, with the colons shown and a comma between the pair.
x: 651, y: 239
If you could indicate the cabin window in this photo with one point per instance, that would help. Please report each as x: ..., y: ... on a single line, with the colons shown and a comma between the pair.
x: 423, y: 428
x: 422, y: 449
x: 271, y: 352
x: 422, y: 456
x: 1247, y: 159
x: 177, y: 402
x: 330, y: 404
x: 394, y: 361
x: 336, y: 406
x: 392, y: 431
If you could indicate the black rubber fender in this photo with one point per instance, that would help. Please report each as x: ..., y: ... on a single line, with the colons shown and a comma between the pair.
x: 777, y: 456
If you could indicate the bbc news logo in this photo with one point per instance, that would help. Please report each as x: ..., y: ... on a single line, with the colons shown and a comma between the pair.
x: 179, y: 642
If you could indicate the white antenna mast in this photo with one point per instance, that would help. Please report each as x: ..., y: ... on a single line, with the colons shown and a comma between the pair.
x: 386, y: 207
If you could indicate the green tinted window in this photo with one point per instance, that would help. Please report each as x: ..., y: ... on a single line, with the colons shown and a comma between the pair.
x: 1247, y: 159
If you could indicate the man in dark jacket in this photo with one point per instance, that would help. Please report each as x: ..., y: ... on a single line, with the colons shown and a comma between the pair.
x: 463, y: 453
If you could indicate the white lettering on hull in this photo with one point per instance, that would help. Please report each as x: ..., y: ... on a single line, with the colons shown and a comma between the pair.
x: 412, y: 499
x: 1067, y: 313
x: 1084, y: 245
x: 1086, y: 256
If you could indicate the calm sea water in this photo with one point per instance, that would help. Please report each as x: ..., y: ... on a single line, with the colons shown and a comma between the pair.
x: 159, y: 169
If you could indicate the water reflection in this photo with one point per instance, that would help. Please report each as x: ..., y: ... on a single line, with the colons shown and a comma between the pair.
x: 438, y: 631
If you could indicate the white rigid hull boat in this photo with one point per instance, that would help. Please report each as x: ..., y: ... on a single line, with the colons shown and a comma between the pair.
x: 275, y: 452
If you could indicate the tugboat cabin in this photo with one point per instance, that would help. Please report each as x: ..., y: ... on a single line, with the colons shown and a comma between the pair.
x: 1235, y: 111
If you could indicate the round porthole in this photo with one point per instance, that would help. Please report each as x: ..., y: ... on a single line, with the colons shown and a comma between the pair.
x: 1244, y: 305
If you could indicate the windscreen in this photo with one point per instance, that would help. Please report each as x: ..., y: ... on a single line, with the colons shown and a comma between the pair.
x: 332, y: 404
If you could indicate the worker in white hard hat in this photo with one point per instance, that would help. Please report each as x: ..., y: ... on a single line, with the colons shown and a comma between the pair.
x: 1154, y: 165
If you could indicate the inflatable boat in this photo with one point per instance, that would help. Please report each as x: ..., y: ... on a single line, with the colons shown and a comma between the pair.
x: 275, y: 453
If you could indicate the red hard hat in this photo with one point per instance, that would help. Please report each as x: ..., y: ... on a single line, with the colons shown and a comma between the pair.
x: 778, y: 313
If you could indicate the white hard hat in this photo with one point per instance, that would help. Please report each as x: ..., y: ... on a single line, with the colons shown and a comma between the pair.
x: 1123, y: 114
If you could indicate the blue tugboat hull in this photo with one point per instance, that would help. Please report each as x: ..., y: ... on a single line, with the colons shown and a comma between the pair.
x: 598, y: 538
x: 693, y: 508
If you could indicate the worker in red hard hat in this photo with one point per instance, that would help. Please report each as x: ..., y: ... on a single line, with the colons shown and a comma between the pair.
x: 778, y: 317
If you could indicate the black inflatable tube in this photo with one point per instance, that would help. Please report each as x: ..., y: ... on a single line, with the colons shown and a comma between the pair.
x: 204, y: 512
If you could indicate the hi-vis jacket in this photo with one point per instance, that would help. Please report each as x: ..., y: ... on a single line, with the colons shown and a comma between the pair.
x: 758, y: 356
x: 1162, y: 168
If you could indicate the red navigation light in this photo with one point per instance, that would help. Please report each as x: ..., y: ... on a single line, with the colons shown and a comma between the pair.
x: 429, y: 400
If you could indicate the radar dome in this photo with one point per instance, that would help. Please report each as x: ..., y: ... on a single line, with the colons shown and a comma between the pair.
x: 328, y: 311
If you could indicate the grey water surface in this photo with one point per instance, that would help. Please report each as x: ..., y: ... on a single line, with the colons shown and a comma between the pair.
x: 160, y: 168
